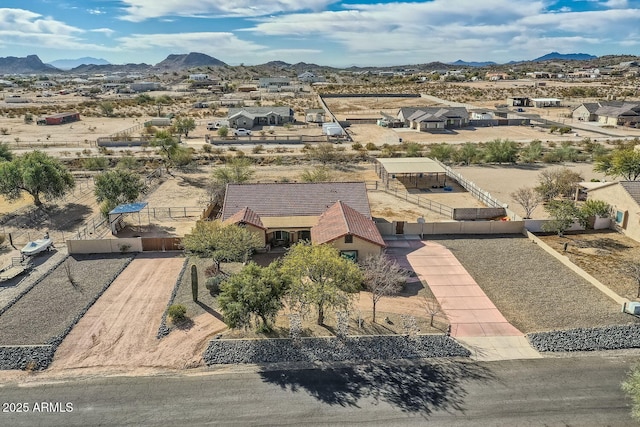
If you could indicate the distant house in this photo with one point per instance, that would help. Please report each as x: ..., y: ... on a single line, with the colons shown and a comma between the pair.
x: 60, y: 119
x: 144, y: 86
x: 248, y: 117
x: 273, y: 83
x: 198, y: 76
x: 624, y: 198
x: 434, y: 118
x: 519, y: 101
x: 309, y: 77
x: 586, y: 112
x: 335, y: 213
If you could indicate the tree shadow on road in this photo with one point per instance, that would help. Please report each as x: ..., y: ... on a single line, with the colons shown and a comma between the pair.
x: 412, y: 386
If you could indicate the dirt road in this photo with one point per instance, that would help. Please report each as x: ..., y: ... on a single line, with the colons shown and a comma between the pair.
x: 119, y: 331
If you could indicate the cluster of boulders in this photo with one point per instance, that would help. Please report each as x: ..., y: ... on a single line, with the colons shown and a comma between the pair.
x: 587, y: 339
x: 39, y: 357
x: 163, y: 329
x: 331, y: 349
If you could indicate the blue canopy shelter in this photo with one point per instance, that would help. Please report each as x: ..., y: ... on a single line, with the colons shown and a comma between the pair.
x: 116, y: 216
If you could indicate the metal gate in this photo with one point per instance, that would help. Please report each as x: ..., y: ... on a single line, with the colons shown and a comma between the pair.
x: 161, y: 244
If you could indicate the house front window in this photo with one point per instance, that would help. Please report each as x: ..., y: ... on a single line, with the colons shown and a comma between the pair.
x: 350, y: 255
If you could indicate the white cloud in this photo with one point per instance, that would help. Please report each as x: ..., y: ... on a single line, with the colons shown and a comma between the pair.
x: 105, y: 31
x: 217, y: 44
x: 96, y: 12
x: 19, y: 27
x: 140, y: 10
x: 616, y: 4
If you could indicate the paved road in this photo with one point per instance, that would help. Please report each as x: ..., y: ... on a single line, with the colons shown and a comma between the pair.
x: 577, y: 391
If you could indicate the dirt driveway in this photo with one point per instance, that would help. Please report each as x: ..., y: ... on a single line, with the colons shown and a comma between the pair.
x: 119, y: 331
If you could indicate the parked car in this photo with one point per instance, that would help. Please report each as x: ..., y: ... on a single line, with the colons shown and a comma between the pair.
x: 242, y: 132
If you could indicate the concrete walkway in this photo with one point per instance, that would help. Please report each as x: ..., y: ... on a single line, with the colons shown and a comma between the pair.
x: 474, y: 319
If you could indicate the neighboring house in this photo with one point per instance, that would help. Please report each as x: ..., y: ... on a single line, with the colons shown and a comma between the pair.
x: 198, y: 76
x: 614, y: 113
x: 273, y: 83
x: 586, y: 112
x: 248, y: 117
x: 337, y: 213
x: 434, y: 118
x: 144, y: 86
x: 309, y: 77
x: 519, y: 102
x: 624, y: 198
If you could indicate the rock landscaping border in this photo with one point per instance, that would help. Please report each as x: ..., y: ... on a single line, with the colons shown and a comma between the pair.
x: 332, y: 349
x: 587, y: 339
x: 39, y: 357
x: 163, y: 329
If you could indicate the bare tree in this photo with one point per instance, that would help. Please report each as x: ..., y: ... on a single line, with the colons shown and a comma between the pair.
x: 433, y: 309
x: 382, y: 277
x: 528, y: 198
x: 632, y: 270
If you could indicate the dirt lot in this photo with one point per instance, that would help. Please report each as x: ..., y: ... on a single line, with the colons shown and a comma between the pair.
x: 120, y: 329
x: 603, y: 255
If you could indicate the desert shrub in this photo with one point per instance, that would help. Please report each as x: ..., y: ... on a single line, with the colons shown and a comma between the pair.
x: 257, y: 149
x: 213, y: 284
x: 177, y: 312
x: 356, y: 146
x: 96, y: 163
x: 371, y: 146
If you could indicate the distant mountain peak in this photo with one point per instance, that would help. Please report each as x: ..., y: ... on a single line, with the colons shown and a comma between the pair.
x: 28, y: 64
x: 67, y: 64
x: 461, y: 63
x: 190, y: 60
x: 565, y: 57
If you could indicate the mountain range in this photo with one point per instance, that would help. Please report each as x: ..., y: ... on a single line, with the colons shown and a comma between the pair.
x: 194, y: 60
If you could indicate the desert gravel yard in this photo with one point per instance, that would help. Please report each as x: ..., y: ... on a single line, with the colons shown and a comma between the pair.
x: 49, y: 308
x: 533, y: 290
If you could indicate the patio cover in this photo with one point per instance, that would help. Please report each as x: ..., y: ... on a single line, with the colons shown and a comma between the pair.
x: 121, y: 210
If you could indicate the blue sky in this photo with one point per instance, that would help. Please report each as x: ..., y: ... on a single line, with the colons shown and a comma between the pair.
x: 326, y: 32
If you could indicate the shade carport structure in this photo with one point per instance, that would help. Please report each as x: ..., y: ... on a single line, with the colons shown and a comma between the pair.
x: 412, y: 171
x: 117, y: 215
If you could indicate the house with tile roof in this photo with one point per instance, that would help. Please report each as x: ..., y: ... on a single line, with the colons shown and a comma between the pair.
x: 335, y: 213
x: 624, y: 198
x: 615, y: 113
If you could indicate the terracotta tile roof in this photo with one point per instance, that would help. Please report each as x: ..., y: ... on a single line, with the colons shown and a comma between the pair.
x: 633, y: 188
x: 246, y: 216
x: 340, y: 220
x: 294, y: 199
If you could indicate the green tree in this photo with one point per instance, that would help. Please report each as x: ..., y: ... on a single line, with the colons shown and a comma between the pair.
x: 254, y: 295
x: 320, y: 278
x: 318, y: 174
x: 323, y: 152
x: 443, y: 152
x: 559, y: 182
x: 167, y: 145
x: 467, y: 153
x: 236, y: 171
x: 221, y: 242
x: 5, y: 152
x: 631, y: 386
x: 184, y: 125
x: 532, y: 153
x: 223, y: 132
x: 624, y: 163
x: 591, y: 209
x: 501, y: 151
x: 413, y: 149
x: 37, y: 174
x: 383, y: 277
x: 116, y: 187
x: 107, y: 108
x: 563, y: 214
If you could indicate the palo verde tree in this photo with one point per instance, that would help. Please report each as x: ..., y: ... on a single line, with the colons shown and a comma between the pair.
x: 383, y: 277
x: 558, y: 182
x: 167, y: 144
x: 501, y: 151
x: 563, y: 214
x: 37, y: 174
x: 5, y: 152
x: 184, y: 125
x: 320, y: 278
x: 117, y: 186
x: 221, y: 242
x: 631, y: 386
x: 253, y: 296
x: 623, y: 163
